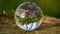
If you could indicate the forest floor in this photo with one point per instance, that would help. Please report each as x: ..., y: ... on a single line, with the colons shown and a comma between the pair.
x: 8, y: 26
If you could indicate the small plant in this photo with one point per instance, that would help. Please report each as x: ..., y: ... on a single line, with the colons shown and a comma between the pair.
x: 28, y: 20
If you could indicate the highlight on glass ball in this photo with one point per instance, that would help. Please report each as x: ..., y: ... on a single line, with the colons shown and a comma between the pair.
x: 28, y: 16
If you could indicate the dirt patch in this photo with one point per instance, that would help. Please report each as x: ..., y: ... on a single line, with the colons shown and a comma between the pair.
x: 8, y: 26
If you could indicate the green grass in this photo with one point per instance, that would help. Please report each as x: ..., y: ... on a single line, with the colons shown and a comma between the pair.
x: 49, y: 7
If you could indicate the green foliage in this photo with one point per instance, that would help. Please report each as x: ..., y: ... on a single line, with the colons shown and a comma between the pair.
x: 49, y: 7
x: 28, y: 20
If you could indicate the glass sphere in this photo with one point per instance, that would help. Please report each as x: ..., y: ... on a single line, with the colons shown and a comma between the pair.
x: 28, y: 16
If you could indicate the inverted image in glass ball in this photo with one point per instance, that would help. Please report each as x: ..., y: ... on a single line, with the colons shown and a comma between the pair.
x: 28, y: 16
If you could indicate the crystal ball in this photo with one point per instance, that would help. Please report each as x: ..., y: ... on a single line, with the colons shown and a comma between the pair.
x: 28, y: 16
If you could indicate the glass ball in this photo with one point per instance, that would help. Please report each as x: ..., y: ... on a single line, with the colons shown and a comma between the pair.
x: 28, y: 16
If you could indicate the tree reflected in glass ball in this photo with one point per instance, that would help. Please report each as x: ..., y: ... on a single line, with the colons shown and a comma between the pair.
x: 28, y: 16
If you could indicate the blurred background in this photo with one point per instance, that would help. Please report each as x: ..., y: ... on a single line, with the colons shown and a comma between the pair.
x: 49, y: 7
x: 8, y: 25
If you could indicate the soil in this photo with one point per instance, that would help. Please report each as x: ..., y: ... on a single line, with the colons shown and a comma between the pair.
x: 8, y: 26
